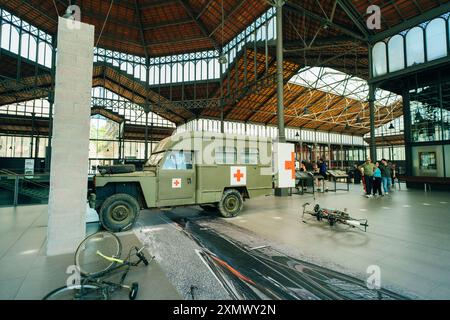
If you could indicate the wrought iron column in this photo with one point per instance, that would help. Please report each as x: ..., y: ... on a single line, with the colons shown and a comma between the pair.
x: 146, y: 136
x: 373, y: 147
x: 280, y: 86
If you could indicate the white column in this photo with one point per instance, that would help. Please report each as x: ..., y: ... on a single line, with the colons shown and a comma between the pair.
x: 70, y: 154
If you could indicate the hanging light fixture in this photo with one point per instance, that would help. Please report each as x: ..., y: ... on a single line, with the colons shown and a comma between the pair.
x: 391, y: 127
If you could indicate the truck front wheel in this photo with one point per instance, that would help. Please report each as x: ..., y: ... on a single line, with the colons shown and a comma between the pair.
x: 231, y: 203
x: 119, y: 212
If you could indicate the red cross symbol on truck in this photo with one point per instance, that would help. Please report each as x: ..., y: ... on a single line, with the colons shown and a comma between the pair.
x: 176, y: 183
x: 290, y: 165
x: 238, y: 175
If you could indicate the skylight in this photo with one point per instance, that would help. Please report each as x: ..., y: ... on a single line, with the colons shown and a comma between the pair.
x: 341, y: 84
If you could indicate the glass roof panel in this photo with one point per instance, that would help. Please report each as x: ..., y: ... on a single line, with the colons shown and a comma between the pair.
x: 341, y: 84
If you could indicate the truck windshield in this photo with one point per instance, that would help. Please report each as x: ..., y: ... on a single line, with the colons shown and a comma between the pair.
x: 155, y: 159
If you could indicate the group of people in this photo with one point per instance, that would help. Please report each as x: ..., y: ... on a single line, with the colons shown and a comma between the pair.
x: 319, y: 169
x: 377, y: 176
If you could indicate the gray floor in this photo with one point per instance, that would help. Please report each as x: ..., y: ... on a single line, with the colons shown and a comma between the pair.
x: 26, y: 273
x: 408, y: 238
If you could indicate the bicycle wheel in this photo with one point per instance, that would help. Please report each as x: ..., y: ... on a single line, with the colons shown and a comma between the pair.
x: 78, y: 292
x: 87, y: 259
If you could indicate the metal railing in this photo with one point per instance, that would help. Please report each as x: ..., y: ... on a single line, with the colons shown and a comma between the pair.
x: 24, y: 187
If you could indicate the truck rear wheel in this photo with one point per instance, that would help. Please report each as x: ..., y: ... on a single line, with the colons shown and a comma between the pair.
x: 119, y: 212
x: 231, y: 203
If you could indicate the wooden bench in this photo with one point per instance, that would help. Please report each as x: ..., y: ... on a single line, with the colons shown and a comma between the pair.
x: 427, y: 181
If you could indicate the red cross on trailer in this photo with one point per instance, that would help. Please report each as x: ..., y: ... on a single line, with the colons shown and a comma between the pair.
x: 290, y: 165
x: 238, y: 176
x: 284, y: 162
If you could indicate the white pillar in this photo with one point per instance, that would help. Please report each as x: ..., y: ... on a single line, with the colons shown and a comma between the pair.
x: 70, y: 153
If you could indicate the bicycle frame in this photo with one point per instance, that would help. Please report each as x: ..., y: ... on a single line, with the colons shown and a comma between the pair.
x: 335, y: 216
x: 110, y: 286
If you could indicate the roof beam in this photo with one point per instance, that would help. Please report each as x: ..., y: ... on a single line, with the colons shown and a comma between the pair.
x: 349, y: 9
x: 156, y: 43
x: 167, y: 24
x: 158, y: 4
x: 187, y: 7
x: 205, y: 7
x: 238, y: 6
x: 325, y: 21
x: 337, y: 40
x: 141, y: 31
x: 310, y: 104
x: 40, y: 10
x: 410, y: 23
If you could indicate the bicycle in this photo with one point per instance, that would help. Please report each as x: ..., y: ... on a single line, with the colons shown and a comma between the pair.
x: 98, y: 258
x: 335, y: 216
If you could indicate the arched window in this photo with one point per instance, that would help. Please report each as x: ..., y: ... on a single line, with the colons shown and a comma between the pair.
x: 436, y: 36
x: 379, y: 59
x: 415, y: 52
x: 260, y: 33
x: 41, y: 53
x: 32, y: 51
x: 10, y: 38
x: 6, y: 35
x: 179, y: 72
x: 271, y: 30
x: 130, y: 68
x: 232, y: 55
x: 396, y: 53
x: 48, y: 55
x: 202, y: 70
x: 175, y: 68
x: 123, y: 66
x: 216, y: 68
x: 165, y: 73
x: 153, y: 75
x: 15, y: 38
x: 211, y: 66
x: 24, y: 45
x: 143, y: 71
x: 189, y: 71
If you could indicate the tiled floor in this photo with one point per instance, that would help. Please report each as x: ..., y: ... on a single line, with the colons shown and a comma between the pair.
x: 26, y: 273
x: 408, y: 238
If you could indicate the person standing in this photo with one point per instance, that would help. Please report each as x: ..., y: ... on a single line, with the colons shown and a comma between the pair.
x: 377, y: 179
x: 323, y: 172
x: 367, y: 170
x: 393, y: 174
x: 385, y: 176
x: 316, y: 174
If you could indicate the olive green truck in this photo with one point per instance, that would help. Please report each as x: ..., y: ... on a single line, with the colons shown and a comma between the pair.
x: 215, y: 171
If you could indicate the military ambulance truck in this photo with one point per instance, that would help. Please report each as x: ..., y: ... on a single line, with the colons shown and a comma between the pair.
x: 216, y: 171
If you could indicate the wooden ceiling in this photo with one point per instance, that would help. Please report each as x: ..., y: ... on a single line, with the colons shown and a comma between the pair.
x: 166, y: 27
x: 327, y: 33
x: 149, y: 27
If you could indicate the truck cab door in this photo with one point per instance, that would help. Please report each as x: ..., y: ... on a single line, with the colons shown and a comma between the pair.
x: 177, y: 179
